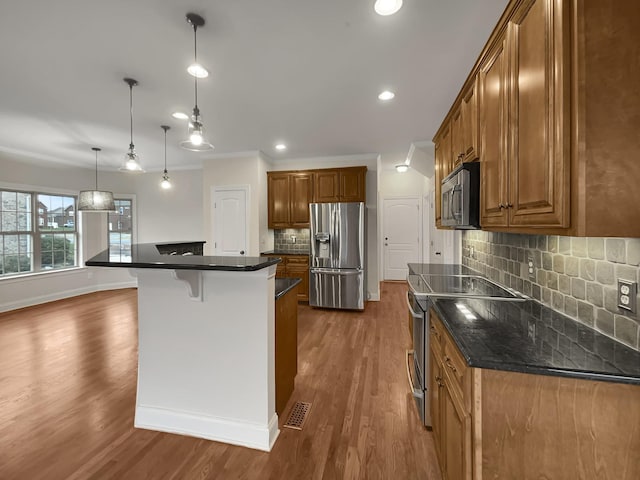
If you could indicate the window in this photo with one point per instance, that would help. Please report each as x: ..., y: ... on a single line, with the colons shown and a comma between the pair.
x: 120, y: 225
x: 37, y: 232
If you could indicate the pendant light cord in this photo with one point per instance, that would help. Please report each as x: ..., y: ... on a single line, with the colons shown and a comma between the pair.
x: 131, y: 146
x: 165, y: 150
x: 96, y: 169
x: 196, y: 111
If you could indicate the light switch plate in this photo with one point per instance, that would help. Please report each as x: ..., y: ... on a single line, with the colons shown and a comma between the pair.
x: 627, y: 292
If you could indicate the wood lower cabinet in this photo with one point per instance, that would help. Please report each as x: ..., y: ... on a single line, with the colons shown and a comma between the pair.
x: 500, y: 424
x: 296, y: 266
x: 288, y: 198
x: 286, y: 348
x: 450, y: 398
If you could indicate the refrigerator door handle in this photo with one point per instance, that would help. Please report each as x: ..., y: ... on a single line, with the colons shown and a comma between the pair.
x: 335, y: 272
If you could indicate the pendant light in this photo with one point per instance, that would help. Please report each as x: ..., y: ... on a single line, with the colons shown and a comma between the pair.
x: 196, y: 141
x: 131, y: 160
x: 96, y: 200
x: 165, y: 183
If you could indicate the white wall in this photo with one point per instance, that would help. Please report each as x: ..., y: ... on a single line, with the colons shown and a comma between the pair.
x: 183, y: 208
x: 246, y: 169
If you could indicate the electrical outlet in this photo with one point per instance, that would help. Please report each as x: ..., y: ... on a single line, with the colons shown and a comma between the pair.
x: 531, y: 267
x: 627, y: 291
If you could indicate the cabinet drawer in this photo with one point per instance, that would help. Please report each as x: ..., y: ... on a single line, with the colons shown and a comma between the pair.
x: 436, y: 330
x: 298, y: 260
x: 455, y: 365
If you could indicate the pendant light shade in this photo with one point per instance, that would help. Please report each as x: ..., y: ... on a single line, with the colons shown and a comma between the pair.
x: 96, y: 200
x: 196, y: 141
x: 165, y: 183
x: 131, y: 162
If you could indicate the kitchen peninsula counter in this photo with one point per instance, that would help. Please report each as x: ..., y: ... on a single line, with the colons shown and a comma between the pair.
x: 206, y: 342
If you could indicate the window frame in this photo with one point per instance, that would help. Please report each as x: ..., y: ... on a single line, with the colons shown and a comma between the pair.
x: 36, y: 232
x: 134, y: 217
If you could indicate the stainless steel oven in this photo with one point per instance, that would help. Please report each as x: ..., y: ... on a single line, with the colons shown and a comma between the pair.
x: 417, y: 359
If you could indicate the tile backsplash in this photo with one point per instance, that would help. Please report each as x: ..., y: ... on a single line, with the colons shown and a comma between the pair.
x: 574, y: 275
x: 283, y: 240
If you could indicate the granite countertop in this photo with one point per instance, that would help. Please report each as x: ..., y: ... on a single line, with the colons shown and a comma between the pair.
x: 147, y: 255
x: 284, y: 285
x: 529, y: 337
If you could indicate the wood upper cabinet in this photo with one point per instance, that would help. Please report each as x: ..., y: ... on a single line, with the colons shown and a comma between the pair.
x: 539, y: 116
x: 340, y: 185
x: 469, y: 112
x: 278, y: 200
x: 442, y: 168
x: 288, y: 198
x: 492, y: 81
x: 523, y: 121
x: 301, y: 195
x: 327, y: 186
x: 457, y: 138
x: 352, y: 184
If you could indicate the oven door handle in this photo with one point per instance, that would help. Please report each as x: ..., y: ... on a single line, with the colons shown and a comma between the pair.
x: 416, y: 391
x: 413, y: 312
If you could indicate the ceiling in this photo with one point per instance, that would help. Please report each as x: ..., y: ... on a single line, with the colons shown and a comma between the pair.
x: 303, y: 72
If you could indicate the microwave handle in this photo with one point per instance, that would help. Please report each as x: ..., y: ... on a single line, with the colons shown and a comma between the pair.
x: 457, y: 189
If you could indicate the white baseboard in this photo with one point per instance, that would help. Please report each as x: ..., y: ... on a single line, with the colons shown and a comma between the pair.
x: 37, y: 300
x: 235, y: 432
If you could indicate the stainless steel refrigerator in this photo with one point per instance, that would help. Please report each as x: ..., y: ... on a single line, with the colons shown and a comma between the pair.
x: 337, y: 270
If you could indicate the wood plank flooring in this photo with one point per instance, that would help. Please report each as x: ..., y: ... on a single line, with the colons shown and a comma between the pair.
x: 68, y: 385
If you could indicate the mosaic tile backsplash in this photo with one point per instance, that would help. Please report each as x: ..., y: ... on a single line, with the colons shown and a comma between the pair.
x: 283, y: 240
x: 573, y: 275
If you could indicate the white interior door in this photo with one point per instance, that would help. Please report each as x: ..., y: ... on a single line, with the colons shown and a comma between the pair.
x: 230, y: 229
x: 402, y: 235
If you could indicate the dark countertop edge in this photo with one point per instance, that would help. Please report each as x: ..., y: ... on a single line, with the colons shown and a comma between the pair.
x: 539, y: 370
x: 291, y: 283
x: 185, y: 266
x: 280, y: 252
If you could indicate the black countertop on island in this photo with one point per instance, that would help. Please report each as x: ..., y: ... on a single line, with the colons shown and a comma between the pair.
x: 529, y: 337
x: 284, y: 285
x: 147, y: 255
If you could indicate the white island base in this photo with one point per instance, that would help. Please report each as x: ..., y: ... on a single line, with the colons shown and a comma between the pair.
x: 207, y: 354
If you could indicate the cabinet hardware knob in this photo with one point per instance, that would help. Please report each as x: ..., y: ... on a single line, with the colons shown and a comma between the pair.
x: 447, y: 360
x: 501, y: 206
x: 509, y: 205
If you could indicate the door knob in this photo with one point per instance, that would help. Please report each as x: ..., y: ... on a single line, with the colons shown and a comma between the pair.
x: 386, y: 244
x: 241, y: 252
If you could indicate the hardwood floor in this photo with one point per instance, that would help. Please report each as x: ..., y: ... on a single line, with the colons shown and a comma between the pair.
x: 68, y: 385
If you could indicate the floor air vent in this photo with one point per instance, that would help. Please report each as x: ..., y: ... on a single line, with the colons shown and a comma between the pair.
x: 298, y: 415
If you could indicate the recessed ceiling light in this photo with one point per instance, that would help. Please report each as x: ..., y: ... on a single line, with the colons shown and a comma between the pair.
x: 387, y: 7
x: 281, y: 147
x: 386, y: 95
x: 180, y: 115
x: 197, y: 70
x: 401, y: 168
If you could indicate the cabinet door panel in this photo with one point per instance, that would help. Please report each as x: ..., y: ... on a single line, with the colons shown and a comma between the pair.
x: 352, y: 185
x: 302, y: 272
x: 301, y: 190
x: 539, y: 160
x: 493, y: 134
x: 435, y: 399
x: 457, y: 138
x: 457, y: 440
x: 327, y: 186
x: 470, y: 123
x: 278, y: 201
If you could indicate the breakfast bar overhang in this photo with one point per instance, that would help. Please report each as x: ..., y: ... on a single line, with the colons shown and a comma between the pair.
x: 206, y: 336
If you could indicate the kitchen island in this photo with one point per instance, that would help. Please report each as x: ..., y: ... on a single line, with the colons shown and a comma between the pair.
x: 206, y: 343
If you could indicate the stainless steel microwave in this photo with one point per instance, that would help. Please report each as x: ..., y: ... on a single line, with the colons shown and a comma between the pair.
x: 460, y: 205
